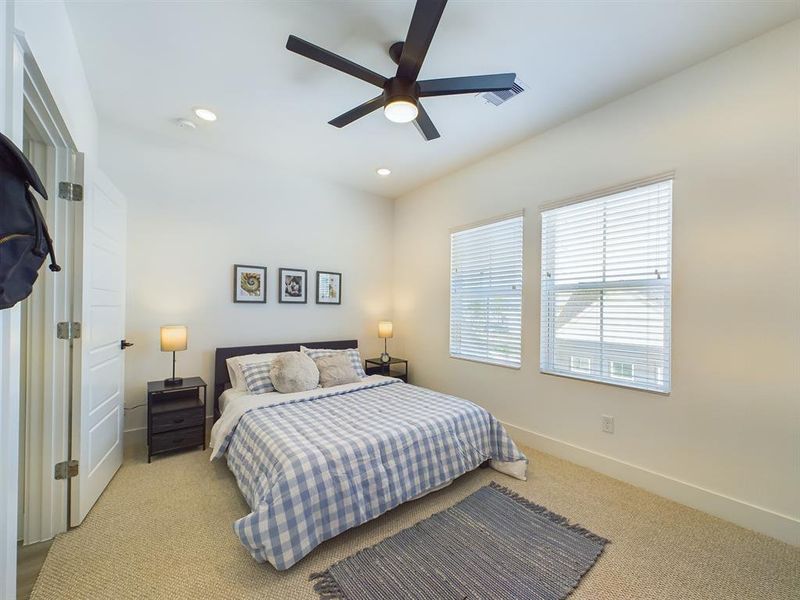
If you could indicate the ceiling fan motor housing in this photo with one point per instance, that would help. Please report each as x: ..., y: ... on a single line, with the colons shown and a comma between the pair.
x: 396, y: 51
x: 398, y: 89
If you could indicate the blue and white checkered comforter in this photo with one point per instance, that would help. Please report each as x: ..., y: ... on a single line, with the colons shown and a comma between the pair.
x: 313, y: 468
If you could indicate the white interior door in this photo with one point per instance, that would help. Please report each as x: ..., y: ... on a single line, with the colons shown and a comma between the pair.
x: 98, y: 408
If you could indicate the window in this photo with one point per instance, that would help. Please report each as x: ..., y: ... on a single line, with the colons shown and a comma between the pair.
x: 606, y: 287
x: 486, y: 291
x: 580, y: 364
x: 621, y: 370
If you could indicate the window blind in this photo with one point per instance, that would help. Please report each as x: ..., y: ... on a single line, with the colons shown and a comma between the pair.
x: 486, y: 292
x: 606, y: 288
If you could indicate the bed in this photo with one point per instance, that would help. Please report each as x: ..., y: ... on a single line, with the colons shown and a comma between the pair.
x: 314, y: 464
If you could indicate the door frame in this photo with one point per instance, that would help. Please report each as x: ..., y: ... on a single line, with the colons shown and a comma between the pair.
x: 18, y: 67
x: 51, y: 370
x: 11, y: 77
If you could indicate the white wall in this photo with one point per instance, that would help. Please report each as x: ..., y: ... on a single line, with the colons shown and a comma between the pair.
x: 193, y: 214
x: 48, y: 32
x: 726, y: 439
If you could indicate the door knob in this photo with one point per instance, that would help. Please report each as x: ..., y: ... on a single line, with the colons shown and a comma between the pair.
x: 125, y: 344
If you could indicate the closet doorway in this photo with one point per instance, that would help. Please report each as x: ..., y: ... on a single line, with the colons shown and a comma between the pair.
x: 47, y: 364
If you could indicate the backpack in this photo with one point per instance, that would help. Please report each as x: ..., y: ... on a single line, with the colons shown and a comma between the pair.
x: 24, y: 239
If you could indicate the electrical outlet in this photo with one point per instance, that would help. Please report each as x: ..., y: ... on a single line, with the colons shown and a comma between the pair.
x: 608, y: 423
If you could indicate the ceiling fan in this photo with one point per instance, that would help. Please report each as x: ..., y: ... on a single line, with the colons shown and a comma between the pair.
x: 401, y: 93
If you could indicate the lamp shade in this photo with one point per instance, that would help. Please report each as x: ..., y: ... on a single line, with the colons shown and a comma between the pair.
x: 174, y: 338
x: 385, y: 329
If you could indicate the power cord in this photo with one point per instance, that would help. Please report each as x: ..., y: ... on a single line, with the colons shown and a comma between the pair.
x: 134, y: 407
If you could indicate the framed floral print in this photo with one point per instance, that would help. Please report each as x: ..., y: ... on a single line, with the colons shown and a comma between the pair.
x: 329, y: 287
x: 292, y: 286
x: 249, y: 283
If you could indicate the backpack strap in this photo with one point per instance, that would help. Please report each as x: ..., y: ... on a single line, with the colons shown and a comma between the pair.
x: 41, y: 229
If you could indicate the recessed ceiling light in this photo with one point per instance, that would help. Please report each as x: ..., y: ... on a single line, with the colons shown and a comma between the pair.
x: 205, y: 114
x: 384, y: 172
x: 185, y: 123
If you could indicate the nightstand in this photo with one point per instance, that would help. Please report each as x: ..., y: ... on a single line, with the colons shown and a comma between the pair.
x: 176, y: 416
x: 374, y: 366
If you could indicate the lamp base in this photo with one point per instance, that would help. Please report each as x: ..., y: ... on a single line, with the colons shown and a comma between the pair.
x: 173, y: 381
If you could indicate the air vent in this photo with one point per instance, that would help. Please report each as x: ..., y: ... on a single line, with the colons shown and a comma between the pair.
x: 498, y: 98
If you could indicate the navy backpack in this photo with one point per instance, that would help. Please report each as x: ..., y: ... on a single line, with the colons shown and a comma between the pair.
x: 24, y: 239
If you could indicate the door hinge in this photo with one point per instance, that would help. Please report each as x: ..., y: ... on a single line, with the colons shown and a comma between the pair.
x: 68, y: 330
x: 70, y: 191
x: 66, y: 469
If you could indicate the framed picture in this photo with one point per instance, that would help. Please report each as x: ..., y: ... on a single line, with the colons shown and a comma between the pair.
x: 249, y: 283
x: 329, y: 287
x: 292, y: 286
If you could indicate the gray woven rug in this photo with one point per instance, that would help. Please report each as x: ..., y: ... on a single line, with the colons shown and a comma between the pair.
x: 493, y: 545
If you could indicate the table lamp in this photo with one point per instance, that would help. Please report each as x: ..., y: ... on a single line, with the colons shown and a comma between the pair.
x: 385, y: 330
x: 173, y: 339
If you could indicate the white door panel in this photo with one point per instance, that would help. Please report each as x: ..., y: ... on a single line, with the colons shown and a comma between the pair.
x: 104, y: 330
x: 104, y: 438
x: 97, y: 428
x: 106, y: 377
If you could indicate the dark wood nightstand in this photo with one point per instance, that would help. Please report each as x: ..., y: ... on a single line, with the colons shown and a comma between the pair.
x: 176, y: 416
x: 374, y: 366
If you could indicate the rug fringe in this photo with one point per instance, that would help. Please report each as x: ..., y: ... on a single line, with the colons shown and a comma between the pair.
x: 548, y: 514
x: 327, y: 587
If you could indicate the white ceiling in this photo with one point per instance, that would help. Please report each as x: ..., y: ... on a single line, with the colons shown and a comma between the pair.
x: 151, y: 62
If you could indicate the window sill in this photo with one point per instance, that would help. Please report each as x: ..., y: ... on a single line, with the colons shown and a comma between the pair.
x: 487, y: 362
x: 609, y: 383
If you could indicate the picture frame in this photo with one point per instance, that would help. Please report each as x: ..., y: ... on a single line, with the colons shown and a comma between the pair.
x: 292, y: 286
x: 249, y: 284
x: 329, y: 287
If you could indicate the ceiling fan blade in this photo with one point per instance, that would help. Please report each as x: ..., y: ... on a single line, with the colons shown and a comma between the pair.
x: 425, y: 126
x: 474, y: 84
x: 326, y: 57
x: 420, y: 34
x: 358, y: 112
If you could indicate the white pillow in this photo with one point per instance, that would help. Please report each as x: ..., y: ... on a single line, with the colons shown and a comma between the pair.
x: 235, y: 363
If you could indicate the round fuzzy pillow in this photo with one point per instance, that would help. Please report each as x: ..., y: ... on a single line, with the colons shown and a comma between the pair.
x: 294, y: 372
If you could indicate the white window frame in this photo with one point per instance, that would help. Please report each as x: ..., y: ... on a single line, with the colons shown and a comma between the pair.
x: 548, y: 289
x: 514, y: 362
x: 613, y: 375
x: 576, y: 369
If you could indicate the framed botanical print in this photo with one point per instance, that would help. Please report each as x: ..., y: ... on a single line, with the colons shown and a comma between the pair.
x: 329, y: 287
x: 249, y: 283
x: 292, y: 286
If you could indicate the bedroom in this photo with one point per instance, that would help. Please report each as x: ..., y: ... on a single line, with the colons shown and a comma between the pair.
x: 669, y: 430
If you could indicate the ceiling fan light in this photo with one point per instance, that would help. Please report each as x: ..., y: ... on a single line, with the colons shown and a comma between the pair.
x: 401, y: 110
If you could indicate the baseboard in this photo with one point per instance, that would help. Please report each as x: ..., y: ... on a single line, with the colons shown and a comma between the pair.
x: 138, y: 435
x: 134, y: 437
x: 757, y: 518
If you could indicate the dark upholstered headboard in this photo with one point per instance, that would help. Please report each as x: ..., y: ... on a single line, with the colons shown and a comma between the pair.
x: 222, y: 380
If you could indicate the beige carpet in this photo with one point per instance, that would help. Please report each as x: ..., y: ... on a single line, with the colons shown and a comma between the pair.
x: 164, y: 531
